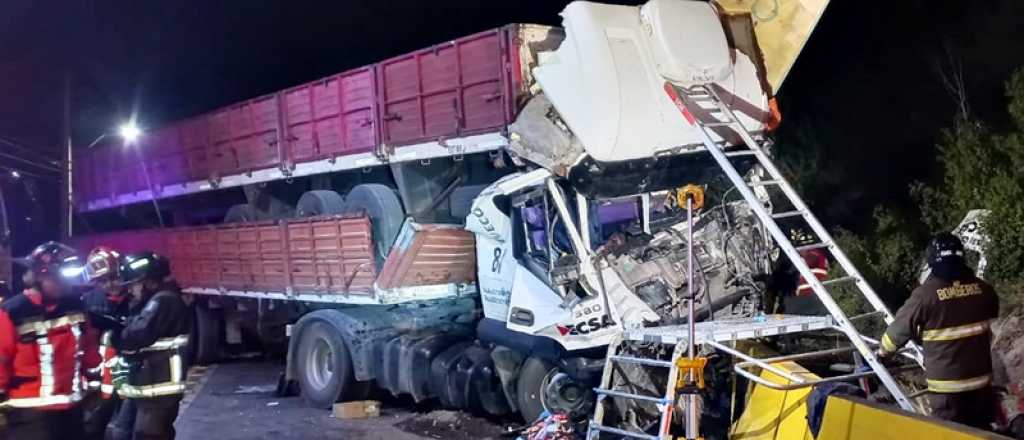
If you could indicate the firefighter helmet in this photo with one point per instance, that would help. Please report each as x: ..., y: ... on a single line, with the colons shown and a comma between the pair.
x: 48, y: 257
x: 139, y: 266
x: 800, y: 237
x: 945, y: 248
x: 103, y: 262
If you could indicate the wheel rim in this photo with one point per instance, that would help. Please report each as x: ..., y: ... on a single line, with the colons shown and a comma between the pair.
x: 321, y: 364
x: 560, y: 393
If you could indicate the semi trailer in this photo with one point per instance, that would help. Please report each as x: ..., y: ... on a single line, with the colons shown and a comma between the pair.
x: 473, y: 222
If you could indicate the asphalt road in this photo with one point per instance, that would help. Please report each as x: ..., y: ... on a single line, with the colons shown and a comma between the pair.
x: 236, y: 401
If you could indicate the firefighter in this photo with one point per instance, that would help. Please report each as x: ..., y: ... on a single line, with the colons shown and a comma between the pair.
x: 798, y: 297
x: 816, y: 259
x: 949, y: 315
x: 45, y: 347
x: 107, y: 306
x: 152, y: 342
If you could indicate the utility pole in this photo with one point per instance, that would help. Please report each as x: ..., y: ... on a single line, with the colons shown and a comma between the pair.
x: 67, y: 189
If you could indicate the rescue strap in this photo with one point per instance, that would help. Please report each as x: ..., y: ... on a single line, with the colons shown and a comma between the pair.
x: 959, y: 386
x: 35, y: 402
x: 957, y: 332
x: 42, y: 327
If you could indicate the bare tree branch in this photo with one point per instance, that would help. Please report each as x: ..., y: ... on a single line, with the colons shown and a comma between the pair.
x: 950, y: 71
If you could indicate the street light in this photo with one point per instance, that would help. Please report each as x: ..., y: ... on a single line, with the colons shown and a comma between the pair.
x: 129, y: 132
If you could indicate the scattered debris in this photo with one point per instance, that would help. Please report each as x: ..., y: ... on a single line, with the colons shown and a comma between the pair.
x: 550, y: 427
x: 362, y: 409
x: 452, y: 425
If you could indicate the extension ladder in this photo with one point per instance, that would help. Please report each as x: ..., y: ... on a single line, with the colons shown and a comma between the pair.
x: 705, y: 101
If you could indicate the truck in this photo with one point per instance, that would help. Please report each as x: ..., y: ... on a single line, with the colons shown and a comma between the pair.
x: 473, y: 222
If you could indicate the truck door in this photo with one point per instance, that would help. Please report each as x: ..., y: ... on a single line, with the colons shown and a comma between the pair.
x: 534, y: 304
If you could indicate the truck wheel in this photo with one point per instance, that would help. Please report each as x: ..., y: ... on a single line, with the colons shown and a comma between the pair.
x: 325, y: 368
x: 208, y: 329
x: 385, y: 211
x: 240, y: 213
x: 542, y: 386
x: 320, y: 202
x: 530, y: 387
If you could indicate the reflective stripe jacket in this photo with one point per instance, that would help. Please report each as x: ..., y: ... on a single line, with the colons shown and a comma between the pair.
x: 101, y: 307
x: 950, y: 319
x: 44, y: 349
x: 153, y: 342
x: 817, y: 260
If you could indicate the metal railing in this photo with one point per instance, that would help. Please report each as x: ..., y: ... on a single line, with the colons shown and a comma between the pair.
x: 793, y: 381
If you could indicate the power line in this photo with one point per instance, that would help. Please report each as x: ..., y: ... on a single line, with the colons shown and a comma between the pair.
x: 11, y: 171
x: 40, y: 165
x: 30, y: 149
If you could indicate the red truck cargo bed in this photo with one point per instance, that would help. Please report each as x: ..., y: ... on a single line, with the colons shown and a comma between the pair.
x: 452, y: 98
x: 325, y: 259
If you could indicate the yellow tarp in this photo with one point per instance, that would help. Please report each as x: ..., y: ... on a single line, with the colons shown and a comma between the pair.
x: 851, y: 419
x: 782, y: 28
x: 772, y: 414
x: 782, y: 415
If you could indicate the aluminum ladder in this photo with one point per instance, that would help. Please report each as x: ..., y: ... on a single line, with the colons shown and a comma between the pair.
x: 690, y: 103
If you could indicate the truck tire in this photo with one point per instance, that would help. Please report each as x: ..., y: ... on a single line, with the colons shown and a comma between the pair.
x: 240, y: 213
x: 460, y: 202
x: 381, y: 204
x: 319, y: 202
x: 529, y: 387
x: 325, y: 371
x: 208, y: 329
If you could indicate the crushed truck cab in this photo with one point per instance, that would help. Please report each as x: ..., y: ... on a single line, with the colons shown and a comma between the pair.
x: 607, y: 80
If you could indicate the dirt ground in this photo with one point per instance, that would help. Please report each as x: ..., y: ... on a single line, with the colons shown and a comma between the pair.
x: 236, y: 401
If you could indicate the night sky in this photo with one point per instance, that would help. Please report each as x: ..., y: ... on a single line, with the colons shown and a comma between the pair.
x: 866, y: 85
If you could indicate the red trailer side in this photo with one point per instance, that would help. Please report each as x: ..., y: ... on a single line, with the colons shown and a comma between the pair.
x: 464, y: 87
